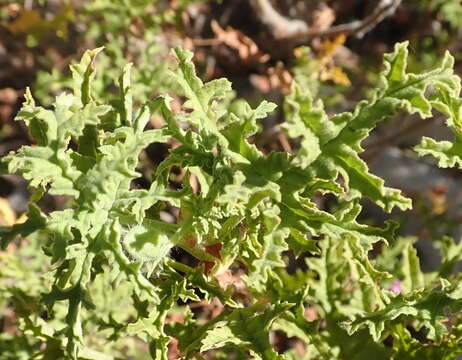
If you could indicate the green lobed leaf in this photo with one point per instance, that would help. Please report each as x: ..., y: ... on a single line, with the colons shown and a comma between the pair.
x: 242, y: 215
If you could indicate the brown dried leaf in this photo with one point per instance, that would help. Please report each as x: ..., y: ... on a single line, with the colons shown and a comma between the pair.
x: 210, y: 310
x: 311, y: 314
x: 277, y: 78
x: 438, y: 200
x: 8, y: 96
x: 247, y: 49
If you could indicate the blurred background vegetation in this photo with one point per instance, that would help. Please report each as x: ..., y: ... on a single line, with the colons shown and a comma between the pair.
x: 262, y: 47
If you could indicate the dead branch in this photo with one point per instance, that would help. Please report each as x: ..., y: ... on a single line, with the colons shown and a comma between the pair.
x: 359, y: 28
x: 280, y: 26
x: 291, y: 29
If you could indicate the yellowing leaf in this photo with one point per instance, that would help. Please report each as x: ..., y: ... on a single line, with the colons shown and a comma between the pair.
x: 31, y: 22
x: 329, y: 46
x: 7, y: 214
x: 28, y: 21
x: 336, y: 75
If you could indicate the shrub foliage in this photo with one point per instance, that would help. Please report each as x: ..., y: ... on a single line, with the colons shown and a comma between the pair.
x: 111, y: 274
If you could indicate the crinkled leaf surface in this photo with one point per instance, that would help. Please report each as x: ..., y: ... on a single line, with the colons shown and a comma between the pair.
x: 242, y: 214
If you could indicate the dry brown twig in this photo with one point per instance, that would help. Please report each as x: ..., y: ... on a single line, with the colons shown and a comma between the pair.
x: 285, y: 29
x: 279, y: 25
